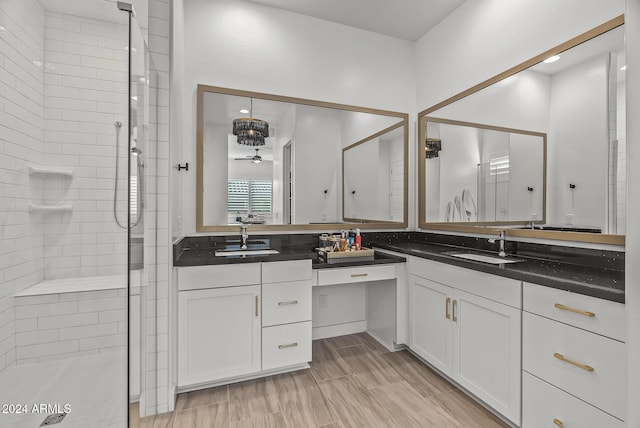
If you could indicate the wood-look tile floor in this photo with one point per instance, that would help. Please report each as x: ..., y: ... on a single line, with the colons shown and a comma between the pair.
x: 353, y: 382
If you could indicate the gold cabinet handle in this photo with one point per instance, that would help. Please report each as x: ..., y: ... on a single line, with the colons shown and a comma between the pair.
x: 566, y: 360
x: 290, y: 345
x: 356, y: 275
x: 292, y: 302
x: 574, y: 310
x: 558, y: 422
x: 455, y: 305
x: 256, y: 305
x: 447, y: 315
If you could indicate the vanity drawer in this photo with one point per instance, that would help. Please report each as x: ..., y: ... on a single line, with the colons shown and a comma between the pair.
x: 286, y: 345
x: 544, y: 404
x: 286, y: 302
x: 503, y: 290
x: 599, y: 373
x: 590, y: 313
x: 229, y: 275
x: 356, y: 274
x: 290, y: 270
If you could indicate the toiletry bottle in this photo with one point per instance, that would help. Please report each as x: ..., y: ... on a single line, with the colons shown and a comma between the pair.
x: 352, y: 238
x: 358, y: 240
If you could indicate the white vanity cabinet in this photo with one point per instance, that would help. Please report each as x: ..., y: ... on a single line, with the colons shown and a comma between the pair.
x: 467, y: 324
x: 237, y: 321
x: 286, y: 314
x: 574, y: 359
x: 219, y: 324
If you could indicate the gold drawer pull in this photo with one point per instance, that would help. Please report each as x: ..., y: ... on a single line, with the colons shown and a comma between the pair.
x: 292, y: 302
x: 355, y: 275
x: 257, y: 304
x: 455, y: 304
x: 566, y: 360
x: 558, y: 422
x: 447, y: 315
x: 290, y: 345
x: 574, y: 310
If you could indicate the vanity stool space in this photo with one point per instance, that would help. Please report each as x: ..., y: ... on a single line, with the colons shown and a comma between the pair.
x: 242, y: 320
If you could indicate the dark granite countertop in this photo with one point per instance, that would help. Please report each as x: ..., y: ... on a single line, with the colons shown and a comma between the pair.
x: 589, y: 280
x: 198, y: 251
x: 595, y: 273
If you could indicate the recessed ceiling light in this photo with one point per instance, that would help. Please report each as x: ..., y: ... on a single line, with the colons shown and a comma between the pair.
x: 244, y: 111
x: 623, y: 68
x: 3, y: 28
x: 134, y: 98
x: 551, y: 59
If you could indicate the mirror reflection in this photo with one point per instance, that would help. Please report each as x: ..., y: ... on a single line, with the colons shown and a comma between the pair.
x: 373, y: 171
x: 576, y: 98
x: 269, y: 160
x: 479, y: 173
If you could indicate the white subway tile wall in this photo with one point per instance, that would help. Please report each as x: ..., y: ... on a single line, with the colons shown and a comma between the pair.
x: 21, y: 143
x: 67, y: 325
x: 85, y: 93
x: 157, y: 233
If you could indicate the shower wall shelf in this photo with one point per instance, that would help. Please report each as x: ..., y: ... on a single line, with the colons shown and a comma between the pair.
x: 50, y: 170
x: 50, y: 208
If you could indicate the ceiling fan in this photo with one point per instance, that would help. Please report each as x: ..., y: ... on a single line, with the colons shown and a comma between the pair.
x: 255, y: 158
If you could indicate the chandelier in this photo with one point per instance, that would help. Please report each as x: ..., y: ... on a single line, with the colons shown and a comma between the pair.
x: 250, y: 131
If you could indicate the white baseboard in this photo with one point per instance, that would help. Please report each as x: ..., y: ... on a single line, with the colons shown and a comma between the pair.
x: 339, y: 330
x: 227, y: 381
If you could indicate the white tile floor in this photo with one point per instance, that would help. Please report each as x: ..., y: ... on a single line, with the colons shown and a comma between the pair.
x: 95, y: 388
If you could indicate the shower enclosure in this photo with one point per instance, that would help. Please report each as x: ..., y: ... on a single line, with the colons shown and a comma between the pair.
x: 78, y: 164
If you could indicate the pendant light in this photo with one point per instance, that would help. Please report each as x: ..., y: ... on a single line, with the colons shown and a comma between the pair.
x: 250, y: 131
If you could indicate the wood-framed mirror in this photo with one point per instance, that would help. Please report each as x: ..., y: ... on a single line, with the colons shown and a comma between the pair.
x: 275, y: 163
x: 572, y: 103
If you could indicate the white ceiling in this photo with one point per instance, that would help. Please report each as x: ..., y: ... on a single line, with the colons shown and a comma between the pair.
x: 404, y: 19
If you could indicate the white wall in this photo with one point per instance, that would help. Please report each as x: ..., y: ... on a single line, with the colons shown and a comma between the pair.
x: 525, y: 162
x: 291, y: 55
x: 520, y: 102
x: 316, y: 165
x: 632, y: 267
x: 463, y: 45
x: 458, y: 161
x: 578, y: 149
x: 21, y: 136
x: 214, y: 186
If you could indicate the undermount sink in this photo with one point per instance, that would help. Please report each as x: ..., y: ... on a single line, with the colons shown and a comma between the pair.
x: 494, y: 260
x: 252, y: 252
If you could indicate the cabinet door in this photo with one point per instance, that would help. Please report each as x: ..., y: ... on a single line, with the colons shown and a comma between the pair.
x: 487, y: 352
x: 219, y: 334
x: 430, y: 335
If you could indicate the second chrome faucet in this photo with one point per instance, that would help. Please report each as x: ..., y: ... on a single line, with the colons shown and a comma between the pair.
x: 501, y: 237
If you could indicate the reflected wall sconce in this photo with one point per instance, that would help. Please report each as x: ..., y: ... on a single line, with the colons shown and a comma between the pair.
x: 250, y: 131
x: 572, y: 186
x: 433, y: 146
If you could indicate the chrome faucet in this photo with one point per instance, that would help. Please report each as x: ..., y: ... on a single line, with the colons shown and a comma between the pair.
x: 501, y: 236
x: 244, y: 235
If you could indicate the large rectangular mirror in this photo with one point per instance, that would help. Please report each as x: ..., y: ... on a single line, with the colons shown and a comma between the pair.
x: 373, y: 172
x: 481, y: 174
x: 276, y: 163
x: 574, y: 95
